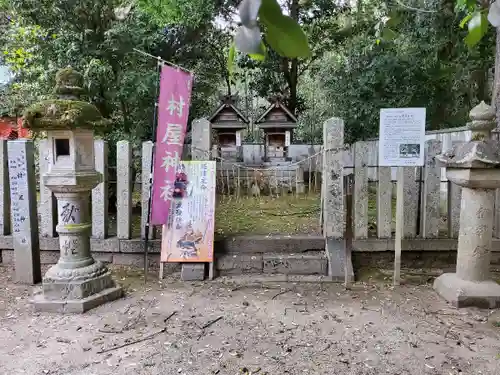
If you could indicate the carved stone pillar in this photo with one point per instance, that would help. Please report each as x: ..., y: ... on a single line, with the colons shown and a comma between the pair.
x: 77, y: 282
x: 475, y: 167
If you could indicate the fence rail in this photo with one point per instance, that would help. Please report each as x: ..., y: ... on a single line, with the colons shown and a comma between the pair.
x: 432, y: 206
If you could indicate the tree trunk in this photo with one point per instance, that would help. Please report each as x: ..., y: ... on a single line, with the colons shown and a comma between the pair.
x: 293, y: 85
x: 294, y: 65
x: 495, y: 100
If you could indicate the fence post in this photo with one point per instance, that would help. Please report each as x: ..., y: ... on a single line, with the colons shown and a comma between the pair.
x: 334, y: 218
x: 123, y: 190
x: 147, y: 159
x: 410, y: 202
x: 48, y: 202
x: 384, y: 202
x: 360, y: 190
x: 4, y: 190
x: 23, y: 211
x: 100, y: 192
x: 454, y: 204
x: 432, y: 191
x: 200, y: 139
x: 200, y: 150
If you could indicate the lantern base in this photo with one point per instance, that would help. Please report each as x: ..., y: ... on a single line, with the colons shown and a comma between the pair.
x: 76, y: 296
x: 464, y: 293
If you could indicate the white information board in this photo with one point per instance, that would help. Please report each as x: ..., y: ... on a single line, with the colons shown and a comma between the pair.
x: 401, y: 137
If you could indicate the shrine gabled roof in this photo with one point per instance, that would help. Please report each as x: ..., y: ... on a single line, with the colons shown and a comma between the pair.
x: 290, y: 121
x: 228, y: 124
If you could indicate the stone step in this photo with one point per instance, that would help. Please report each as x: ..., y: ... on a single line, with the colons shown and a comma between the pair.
x: 310, y: 263
x: 269, y: 244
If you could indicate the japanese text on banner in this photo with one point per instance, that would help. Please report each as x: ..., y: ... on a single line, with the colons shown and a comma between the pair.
x: 173, y: 112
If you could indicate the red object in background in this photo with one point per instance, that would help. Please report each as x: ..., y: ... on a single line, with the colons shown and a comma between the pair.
x: 10, y: 130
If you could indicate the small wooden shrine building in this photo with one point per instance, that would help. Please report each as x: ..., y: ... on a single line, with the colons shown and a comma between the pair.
x: 278, y: 123
x: 229, y: 123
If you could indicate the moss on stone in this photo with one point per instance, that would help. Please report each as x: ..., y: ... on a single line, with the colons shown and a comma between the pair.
x: 69, y: 82
x: 57, y: 114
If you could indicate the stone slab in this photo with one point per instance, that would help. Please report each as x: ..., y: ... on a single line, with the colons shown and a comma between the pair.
x: 147, y: 160
x: 271, y: 279
x: 261, y: 244
x: 137, y: 260
x: 431, y: 196
x: 274, y: 244
x: 193, y: 272
x: 100, y: 200
x: 462, y: 293
x: 361, y: 190
x: 237, y: 264
x: 76, y: 306
x: 384, y: 203
x: 52, y: 256
x: 124, y: 189
x: 454, y: 202
x: 48, y: 202
x: 200, y: 139
x: 295, y: 264
x: 410, y: 199
x: 333, y: 181
x: 24, y: 217
x: 137, y: 246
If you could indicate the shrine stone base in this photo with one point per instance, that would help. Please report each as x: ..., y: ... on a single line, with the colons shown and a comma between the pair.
x: 76, y: 296
x: 76, y: 306
x: 464, y: 293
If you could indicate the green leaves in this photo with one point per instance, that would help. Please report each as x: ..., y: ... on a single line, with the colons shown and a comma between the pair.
x: 478, y: 17
x: 261, y: 55
x: 190, y: 13
x: 464, y: 21
x: 384, y: 29
x: 478, y: 26
x: 287, y: 38
x: 465, y: 5
x: 282, y: 33
x: 230, y: 59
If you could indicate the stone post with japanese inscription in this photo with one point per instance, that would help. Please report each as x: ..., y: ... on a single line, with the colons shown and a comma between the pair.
x: 333, y: 206
x: 23, y: 211
x: 77, y: 282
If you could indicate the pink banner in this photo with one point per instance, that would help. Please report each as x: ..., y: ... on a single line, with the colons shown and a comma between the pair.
x: 173, y: 111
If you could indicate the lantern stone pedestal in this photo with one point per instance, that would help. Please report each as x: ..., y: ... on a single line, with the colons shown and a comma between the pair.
x: 475, y: 167
x: 77, y: 282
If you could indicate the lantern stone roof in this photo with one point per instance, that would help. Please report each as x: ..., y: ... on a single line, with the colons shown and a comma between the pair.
x: 277, y: 115
x: 66, y: 112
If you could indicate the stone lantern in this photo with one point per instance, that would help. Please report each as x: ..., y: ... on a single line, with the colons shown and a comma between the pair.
x: 475, y: 166
x: 77, y: 282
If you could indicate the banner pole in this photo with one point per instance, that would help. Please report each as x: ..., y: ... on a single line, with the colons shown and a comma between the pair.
x: 155, y: 123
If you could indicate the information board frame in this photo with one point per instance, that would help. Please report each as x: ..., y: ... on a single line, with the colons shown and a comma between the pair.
x: 401, y: 145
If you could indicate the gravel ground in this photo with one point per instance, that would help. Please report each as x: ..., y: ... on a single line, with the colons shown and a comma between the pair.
x: 236, y: 326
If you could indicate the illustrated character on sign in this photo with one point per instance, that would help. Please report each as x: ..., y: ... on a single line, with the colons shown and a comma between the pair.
x: 187, y: 243
x: 181, y: 182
